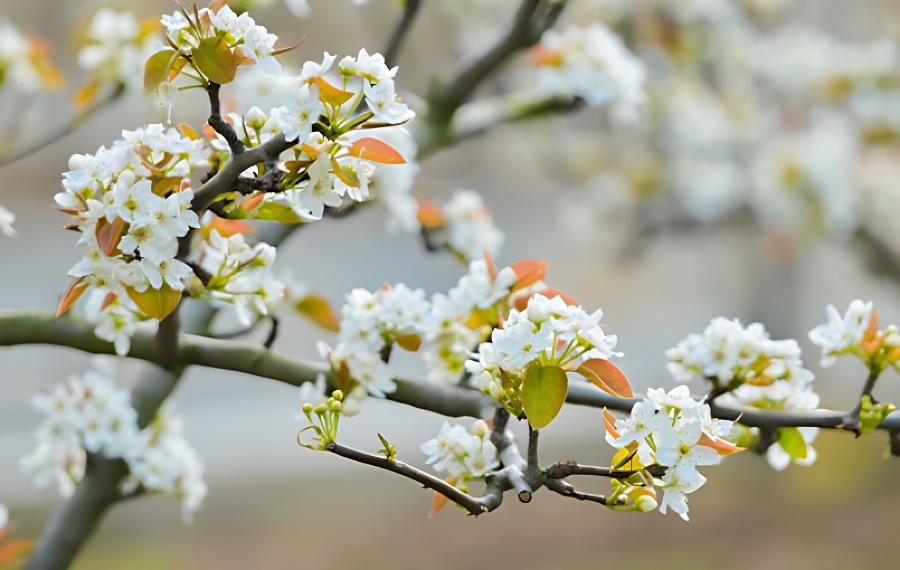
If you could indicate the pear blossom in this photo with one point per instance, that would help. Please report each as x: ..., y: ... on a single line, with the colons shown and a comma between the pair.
x: 24, y: 61
x: 118, y: 44
x: 592, y: 63
x: 675, y: 431
x: 842, y: 332
x: 470, y: 227
x: 463, y: 454
x: 88, y: 413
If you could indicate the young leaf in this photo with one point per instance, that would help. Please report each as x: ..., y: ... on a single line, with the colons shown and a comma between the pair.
x: 720, y: 445
x: 606, y: 376
x: 317, y: 309
x: 430, y: 215
x: 528, y: 272
x: 374, y: 150
x: 330, y: 94
x: 609, y: 422
x: 389, y: 450
x: 156, y: 69
x: 409, y: 342
x: 440, y: 501
x: 226, y: 228
x: 155, y: 303
x: 214, y: 58
x: 108, y: 235
x: 543, y: 393
x: 75, y: 290
x: 791, y: 440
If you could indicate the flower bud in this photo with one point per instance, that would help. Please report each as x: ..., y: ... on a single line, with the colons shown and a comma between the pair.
x: 255, y: 118
x: 338, y: 395
x: 307, y: 408
x: 321, y: 409
x: 646, y: 503
x: 480, y: 428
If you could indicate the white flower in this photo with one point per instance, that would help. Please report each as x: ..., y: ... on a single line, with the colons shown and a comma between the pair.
x: 295, y: 120
x: 470, y: 227
x: 592, y: 63
x: 89, y: 413
x: 4, y: 516
x: 463, y: 454
x: 384, y: 103
x: 842, y: 332
x: 7, y: 219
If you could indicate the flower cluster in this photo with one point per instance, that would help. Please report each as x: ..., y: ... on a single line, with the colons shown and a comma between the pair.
x: 856, y: 333
x: 755, y: 372
x: 593, y: 64
x: 463, y: 454
x: 371, y: 323
x: 117, y: 46
x: 24, y: 63
x: 674, y: 431
x: 238, y: 275
x: 247, y: 42
x: 548, y: 336
x: 729, y: 355
x: 131, y: 203
x: 462, y: 318
x: 89, y: 414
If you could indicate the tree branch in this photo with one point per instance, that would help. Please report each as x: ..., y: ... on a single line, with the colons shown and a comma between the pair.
x: 219, y: 124
x: 474, y: 505
x: 40, y: 327
x: 395, y: 43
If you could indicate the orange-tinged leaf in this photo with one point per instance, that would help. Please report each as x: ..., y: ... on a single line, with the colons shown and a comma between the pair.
x: 330, y: 94
x: 489, y: 264
x: 440, y: 501
x: 210, y: 132
x: 214, y: 58
x: 226, y: 228
x: 609, y: 422
x: 871, y: 340
x: 317, y: 309
x: 75, y: 290
x: 551, y: 292
x: 108, y: 235
x: 86, y: 94
x: 188, y: 131
x: 720, y: 445
x: 545, y: 58
x: 12, y: 553
x: 375, y: 150
x: 310, y: 150
x: 606, y: 376
x: 347, y: 176
x: 162, y: 186
x: 253, y: 201
x: 528, y: 272
x: 108, y: 300
x: 430, y: 215
x: 217, y: 5
x: 155, y: 303
x: 409, y: 342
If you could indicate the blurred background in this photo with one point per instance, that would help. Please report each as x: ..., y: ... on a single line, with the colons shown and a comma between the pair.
x: 275, y: 505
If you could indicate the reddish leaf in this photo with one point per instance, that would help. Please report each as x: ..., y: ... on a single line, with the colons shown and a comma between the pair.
x: 155, y: 303
x: 75, y: 290
x: 330, y: 94
x: 489, y: 264
x: 108, y: 300
x: 430, y: 215
x: 108, y: 235
x: 188, y: 131
x: 440, y: 501
x: 317, y: 309
x: 720, y: 445
x: 528, y: 272
x: 253, y: 201
x: 551, y: 292
x: 606, y: 376
x: 609, y: 422
x: 375, y: 150
x: 226, y: 228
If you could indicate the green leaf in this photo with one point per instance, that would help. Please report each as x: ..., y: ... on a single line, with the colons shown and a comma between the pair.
x: 791, y: 440
x: 317, y: 309
x: 156, y: 69
x: 543, y: 393
x: 389, y: 450
x: 214, y: 58
x: 277, y: 212
x: 871, y: 415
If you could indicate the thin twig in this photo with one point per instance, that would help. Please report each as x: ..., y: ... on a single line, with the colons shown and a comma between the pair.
x: 475, y: 506
x: 395, y: 43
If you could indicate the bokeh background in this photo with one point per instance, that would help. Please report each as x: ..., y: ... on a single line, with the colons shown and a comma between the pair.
x: 275, y: 505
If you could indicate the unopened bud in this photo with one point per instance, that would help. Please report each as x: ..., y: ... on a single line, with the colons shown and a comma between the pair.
x: 646, y: 503
x: 480, y: 428
x: 338, y: 395
x: 334, y: 405
x: 321, y: 409
x: 307, y: 408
